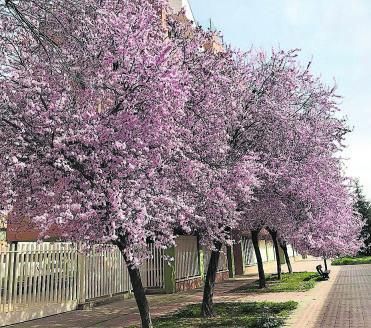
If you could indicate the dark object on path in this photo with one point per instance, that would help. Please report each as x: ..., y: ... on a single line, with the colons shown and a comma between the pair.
x: 324, y: 274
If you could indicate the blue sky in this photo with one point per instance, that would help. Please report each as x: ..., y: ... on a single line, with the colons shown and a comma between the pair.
x: 335, y: 34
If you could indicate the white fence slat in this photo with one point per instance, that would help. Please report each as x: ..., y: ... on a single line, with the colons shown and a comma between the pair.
x: 71, y: 275
x: 90, y: 275
x: 55, y: 268
x: 74, y: 284
x: 2, y: 280
x: 48, y: 273
x: 6, y: 278
x: 87, y: 276
x: 11, y: 276
x: 51, y: 273
x: 58, y: 271
x: 34, y: 272
x: 21, y: 269
x: 64, y: 275
x: 94, y: 273
x: 100, y: 274
x: 67, y: 275
x: 40, y: 272
x: 26, y: 271
x: 43, y: 275
x: 105, y: 272
x: 157, y: 265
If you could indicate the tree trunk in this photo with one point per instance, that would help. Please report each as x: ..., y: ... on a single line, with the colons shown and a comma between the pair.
x: 273, y: 233
x: 324, y: 260
x: 139, y: 291
x: 287, y: 257
x: 207, y: 308
x: 255, y: 241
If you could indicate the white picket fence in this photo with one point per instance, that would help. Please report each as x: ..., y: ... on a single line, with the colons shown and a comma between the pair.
x: 49, y: 278
x: 187, y: 265
x: 105, y: 272
x: 38, y: 280
x: 186, y: 258
x: 37, y: 273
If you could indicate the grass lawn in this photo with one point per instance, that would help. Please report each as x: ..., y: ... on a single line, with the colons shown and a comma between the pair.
x: 295, y: 282
x: 247, y: 315
x: 352, y: 260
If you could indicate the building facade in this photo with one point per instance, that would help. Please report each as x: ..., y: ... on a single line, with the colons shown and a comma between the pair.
x: 178, y: 5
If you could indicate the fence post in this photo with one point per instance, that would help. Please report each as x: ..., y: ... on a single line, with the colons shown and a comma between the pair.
x: 201, y: 257
x: 169, y: 271
x: 238, y: 256
x: 230, y: 260
x: 81, y: 274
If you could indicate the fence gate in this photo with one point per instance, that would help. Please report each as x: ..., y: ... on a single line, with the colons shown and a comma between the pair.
x: 152, y: 271
x: 37, y: 280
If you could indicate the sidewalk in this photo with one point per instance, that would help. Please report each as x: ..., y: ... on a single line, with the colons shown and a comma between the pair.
x: 312, y: 302
x: 349, y: 302
x: 124, y: 313
x: 345, y: 301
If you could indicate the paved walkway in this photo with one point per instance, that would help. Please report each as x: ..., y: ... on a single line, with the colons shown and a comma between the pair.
x: 348, y: 304
x: 343, y: 301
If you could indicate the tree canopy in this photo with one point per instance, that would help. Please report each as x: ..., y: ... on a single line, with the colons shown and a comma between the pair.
x: 119, y: 123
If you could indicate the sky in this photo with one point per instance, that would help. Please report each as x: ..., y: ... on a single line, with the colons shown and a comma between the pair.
x: 334, y: 34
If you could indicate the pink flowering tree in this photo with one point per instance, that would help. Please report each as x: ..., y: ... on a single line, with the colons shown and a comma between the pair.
x: 217, y: 178
x: 92, y: 99
x: 328, y: 225
x: 295, y: 122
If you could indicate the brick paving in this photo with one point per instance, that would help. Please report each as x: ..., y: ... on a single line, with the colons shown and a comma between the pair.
x: 348, y: 304
x: 343, y: 301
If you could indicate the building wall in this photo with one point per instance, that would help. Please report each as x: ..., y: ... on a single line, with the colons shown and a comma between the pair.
x: 24, y: 230
x: 178, y: 5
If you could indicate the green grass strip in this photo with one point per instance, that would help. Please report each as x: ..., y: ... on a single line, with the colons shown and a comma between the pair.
x: 247, y: 315
x: 352, y: 260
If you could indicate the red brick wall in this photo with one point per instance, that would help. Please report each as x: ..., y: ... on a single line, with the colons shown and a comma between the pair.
x: 188, y: 284
x: 221, y: 276
x: 25, y: 230
x: 197, y: 282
